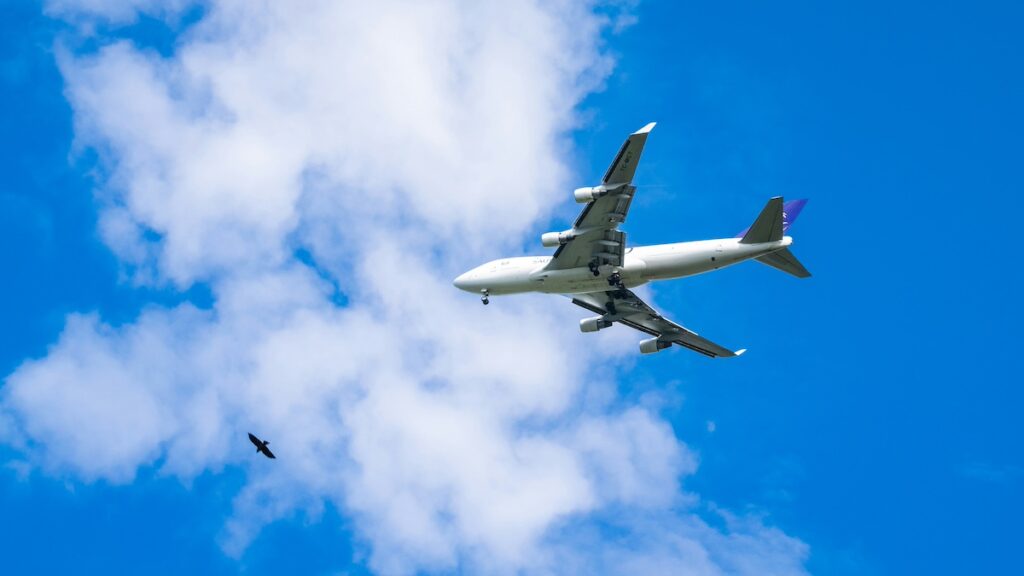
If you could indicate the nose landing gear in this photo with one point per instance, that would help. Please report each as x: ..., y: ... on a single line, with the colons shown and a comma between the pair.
x: 484, y: 296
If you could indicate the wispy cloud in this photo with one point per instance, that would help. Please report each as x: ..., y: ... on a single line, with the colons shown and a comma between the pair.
x: 993, y: 473
x: 391, y: 145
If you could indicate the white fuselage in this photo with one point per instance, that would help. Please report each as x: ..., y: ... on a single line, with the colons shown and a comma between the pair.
x: 641, y: 265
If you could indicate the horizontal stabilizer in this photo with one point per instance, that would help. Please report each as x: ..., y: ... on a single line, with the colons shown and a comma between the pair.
x: 785, y: 260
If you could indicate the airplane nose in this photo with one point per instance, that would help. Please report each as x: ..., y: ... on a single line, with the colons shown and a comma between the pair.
x: 462, y: 282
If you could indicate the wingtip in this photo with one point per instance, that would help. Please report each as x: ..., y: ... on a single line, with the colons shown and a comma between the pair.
x: 740, y: 351
x: 646, y: 129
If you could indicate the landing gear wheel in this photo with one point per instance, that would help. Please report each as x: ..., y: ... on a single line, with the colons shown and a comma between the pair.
x: 615, y: 280
x: 484, y: 297
x: 593, y: 269
x: 485, y: 300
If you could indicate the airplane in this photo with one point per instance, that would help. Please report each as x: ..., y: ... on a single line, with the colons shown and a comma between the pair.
x: 261, y: 446
x: 593, y: 266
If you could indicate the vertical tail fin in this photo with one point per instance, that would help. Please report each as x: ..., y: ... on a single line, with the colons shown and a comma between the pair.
x: 771, y: 224
x: 768, y: 226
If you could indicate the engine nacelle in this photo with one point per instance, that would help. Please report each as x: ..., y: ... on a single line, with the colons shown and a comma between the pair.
x: 652, y: 345
x: 593, y: 324
x: 584, y: 195
x: 552, y: 239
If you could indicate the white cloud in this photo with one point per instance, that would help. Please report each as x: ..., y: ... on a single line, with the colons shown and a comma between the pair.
x: 394, y: 144
x: 118, y: 12
x: 658, y: 542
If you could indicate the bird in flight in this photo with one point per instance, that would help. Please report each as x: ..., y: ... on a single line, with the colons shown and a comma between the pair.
x: 261, y: 446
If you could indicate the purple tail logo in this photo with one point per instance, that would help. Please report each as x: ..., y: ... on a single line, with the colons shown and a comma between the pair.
x: 790, y: 210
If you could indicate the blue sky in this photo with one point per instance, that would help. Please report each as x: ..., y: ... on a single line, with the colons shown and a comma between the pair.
x: 875, y: 417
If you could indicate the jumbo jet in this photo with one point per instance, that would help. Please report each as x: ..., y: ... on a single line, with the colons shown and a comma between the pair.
x: 593, y: 266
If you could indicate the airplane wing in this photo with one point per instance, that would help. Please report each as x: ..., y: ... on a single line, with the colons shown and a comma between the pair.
x: 595, y: 237
x: 627, y: 308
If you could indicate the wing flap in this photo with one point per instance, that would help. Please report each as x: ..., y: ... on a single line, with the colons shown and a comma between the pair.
x: 600, y: 246
x: 626, y: 308
x: 697, y: 343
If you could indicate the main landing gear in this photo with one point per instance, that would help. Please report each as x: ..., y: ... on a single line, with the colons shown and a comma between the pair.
x: 484, y: 296
x: 615, y: 280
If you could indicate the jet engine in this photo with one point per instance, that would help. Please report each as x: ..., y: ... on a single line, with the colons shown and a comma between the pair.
x: 584, y: 195
x: 593, y: 324
x: 652, y: 345
x: 552, y: 239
